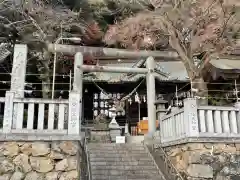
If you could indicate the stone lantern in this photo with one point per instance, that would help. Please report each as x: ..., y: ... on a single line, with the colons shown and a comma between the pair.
x: 114, y: 128
x: 113, y: 114
x: 160, y: 112
x: 160, y: 108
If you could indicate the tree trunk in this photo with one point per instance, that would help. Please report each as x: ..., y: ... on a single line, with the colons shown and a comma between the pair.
x: 44, y: 70
x: 46, y: 87
x: 200, y: 90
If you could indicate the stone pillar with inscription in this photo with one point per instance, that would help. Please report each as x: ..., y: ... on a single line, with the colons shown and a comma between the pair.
x: 18, y: 76
x: 191, y: 117
x: 74, y: 122
x: 78, y: 80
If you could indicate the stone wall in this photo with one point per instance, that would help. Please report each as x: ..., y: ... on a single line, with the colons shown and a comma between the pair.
x: 39, y: 160
x: 212, y: 161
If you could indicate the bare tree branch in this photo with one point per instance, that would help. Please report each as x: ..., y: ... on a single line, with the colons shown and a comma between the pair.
x: 193, y: 27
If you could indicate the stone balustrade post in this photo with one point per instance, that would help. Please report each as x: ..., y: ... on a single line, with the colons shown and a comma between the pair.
x: 191, y: 117
x: 8, y: 112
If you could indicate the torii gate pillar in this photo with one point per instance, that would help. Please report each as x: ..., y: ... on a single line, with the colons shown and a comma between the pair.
x: 151, y: 96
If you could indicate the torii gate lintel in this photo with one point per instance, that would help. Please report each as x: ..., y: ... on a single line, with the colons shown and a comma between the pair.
x: 79, y: 68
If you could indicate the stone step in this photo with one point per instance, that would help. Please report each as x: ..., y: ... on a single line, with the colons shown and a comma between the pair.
x: 112, y: 152
x: 126, y: 172
x: 116, y: 150
x: 114, y: 146
x: 121, y: 161
x: 123, y: 167
x: 119, y: 155
x: 103, y: 153
x: 107, y: 146
x: 125, y: 177
x: 112, y: 163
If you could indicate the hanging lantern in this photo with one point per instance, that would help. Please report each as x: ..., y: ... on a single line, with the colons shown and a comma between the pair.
x: 95, y: 113
x: 118, y: 96
x: 144, y: 99
x: 95, y: 104
x: 106, y: 104
x: 180, y: 103
x: 130, y: 101
x: 95, y: 96
x: 106, y: 112
x: 137, y: 99
x: 123, y: 113
x: 105, y: 96
x: 102, y: 104
x: 101, y: 95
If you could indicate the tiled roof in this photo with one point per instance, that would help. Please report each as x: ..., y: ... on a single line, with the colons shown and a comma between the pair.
x: 165, y: 71
x: 173, y: 70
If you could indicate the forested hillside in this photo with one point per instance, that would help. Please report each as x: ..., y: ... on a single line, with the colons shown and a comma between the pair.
x: 196, y: 30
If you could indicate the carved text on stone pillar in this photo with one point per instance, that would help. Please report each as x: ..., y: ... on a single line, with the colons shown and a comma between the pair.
x: 74, y: 114
x: 19, y: 70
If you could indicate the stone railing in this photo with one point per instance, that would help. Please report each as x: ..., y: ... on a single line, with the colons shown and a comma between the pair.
x: 220, y: 121
x: 40, y: 118
x: 173, y: 126
x: 163, y: 162
x: 196, y: 123
x: 85, y: 165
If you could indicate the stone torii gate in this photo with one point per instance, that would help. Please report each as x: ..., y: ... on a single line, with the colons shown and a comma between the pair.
x: 79, y: 68
x: 102, y: 53
x: 20, y: 61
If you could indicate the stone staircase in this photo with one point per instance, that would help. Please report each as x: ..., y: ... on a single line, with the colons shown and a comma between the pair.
x: 109, y: 161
